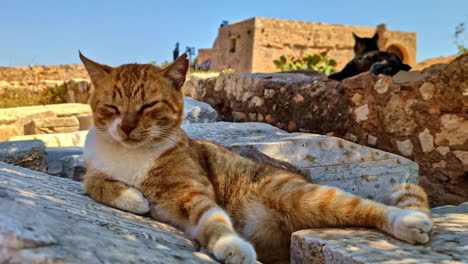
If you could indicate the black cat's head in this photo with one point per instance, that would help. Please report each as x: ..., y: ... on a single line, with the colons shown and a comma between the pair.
x: 363, y: 45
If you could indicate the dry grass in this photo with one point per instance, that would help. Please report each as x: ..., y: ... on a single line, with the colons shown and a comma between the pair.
x: 20, y: 97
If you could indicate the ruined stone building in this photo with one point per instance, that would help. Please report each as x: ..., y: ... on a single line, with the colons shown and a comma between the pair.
x: 252, y: 45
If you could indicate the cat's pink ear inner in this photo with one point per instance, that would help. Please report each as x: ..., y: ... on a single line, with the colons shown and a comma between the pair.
x: 177, y: 71
x: 95, y: 70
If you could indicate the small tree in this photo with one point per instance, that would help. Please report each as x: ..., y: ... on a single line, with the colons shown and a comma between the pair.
x: 459, y: 29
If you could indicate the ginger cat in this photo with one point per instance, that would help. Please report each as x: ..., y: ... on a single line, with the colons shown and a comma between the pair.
x: 140, y: 160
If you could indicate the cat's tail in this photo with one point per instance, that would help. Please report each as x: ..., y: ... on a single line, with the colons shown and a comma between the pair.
x: 410, y: 196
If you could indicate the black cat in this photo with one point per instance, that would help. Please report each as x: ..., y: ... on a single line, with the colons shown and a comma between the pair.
x: 369, y: 58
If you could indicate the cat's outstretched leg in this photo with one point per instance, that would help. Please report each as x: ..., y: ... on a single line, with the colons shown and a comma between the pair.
x: 348, y: 71
x: 410, y: 196
x: 188, y: 202
x: 300, y: 205
x: 114, y: 193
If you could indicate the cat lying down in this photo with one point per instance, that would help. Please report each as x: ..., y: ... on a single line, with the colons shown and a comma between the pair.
x: 140, y: 160
x: 369, y: 58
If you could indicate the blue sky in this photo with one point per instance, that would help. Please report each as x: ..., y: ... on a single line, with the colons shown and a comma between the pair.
x: 115, y: 32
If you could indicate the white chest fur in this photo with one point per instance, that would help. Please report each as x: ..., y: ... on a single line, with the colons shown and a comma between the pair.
x: 127, y: 165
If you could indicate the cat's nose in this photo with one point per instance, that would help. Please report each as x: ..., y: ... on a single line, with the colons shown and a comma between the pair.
x: 127, y: 128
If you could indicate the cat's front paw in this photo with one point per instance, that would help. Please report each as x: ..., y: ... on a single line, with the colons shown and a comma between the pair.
x: 231, y: 249
x: 410, y: 225
x: 132, y: 200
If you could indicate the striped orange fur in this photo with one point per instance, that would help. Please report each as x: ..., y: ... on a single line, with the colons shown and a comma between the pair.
x: 140, y: 160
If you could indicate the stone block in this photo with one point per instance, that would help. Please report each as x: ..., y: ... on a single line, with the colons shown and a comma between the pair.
x: 73, y: 167
x: 198, y: 112
x: 55, y: 156
x: 361, y: 170
x: 75, y: 139
x: 448, y: 244
x: 86, y: 121
x: 30, y: 154
x: 48, y: 219
x: 52, y: 125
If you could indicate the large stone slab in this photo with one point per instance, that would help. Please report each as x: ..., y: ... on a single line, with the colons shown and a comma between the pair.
x: 449, y: 243
x: 29, y: 154
x: 332, y: 161
x: 47, y: 219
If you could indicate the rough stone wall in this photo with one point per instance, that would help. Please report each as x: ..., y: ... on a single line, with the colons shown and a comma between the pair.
x: 204, y: 55
x: 36, y: 78
x: 276, y: 37
x: 233, y: 47
x: 426, y: 121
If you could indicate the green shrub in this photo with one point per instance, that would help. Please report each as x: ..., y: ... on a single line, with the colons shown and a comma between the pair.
x: 319, y: 62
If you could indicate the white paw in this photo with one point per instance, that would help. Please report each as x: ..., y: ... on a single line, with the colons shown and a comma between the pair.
x: 410, y: 225
x: 132, y: 200
x: 232, y: 249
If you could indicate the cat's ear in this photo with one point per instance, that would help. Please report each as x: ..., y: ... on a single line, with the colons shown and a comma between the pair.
x: 177, y: 71
x: 376, y: 36
x: 95, y: 70
x: 355, y: 36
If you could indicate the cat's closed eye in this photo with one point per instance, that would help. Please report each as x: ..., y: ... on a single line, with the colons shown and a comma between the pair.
x: 113, y: 107
x: 147, y: 106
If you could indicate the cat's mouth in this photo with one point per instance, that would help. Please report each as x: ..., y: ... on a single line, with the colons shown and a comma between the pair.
x: 131, y: 142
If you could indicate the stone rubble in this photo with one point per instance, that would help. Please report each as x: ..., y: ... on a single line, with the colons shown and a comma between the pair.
x: 58, y: 118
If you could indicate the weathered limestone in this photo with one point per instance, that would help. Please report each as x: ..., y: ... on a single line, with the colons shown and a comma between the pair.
x: 73, y: 167
x: 23, y: 117
x: 361, y: 170
x: 66, y: 118
x: 29, y: 154
x: 403, y: 77
x: 52, y: 125
x: 75, y: 139
x: 37, y: 78
x: 86, y: 121
x: 426, y: 140
x: 453, y: 130
x: 77, y: 90
x: 55, y: 156
x: 449, y: 243
x: 198, y: 112
x: 47, y: 219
